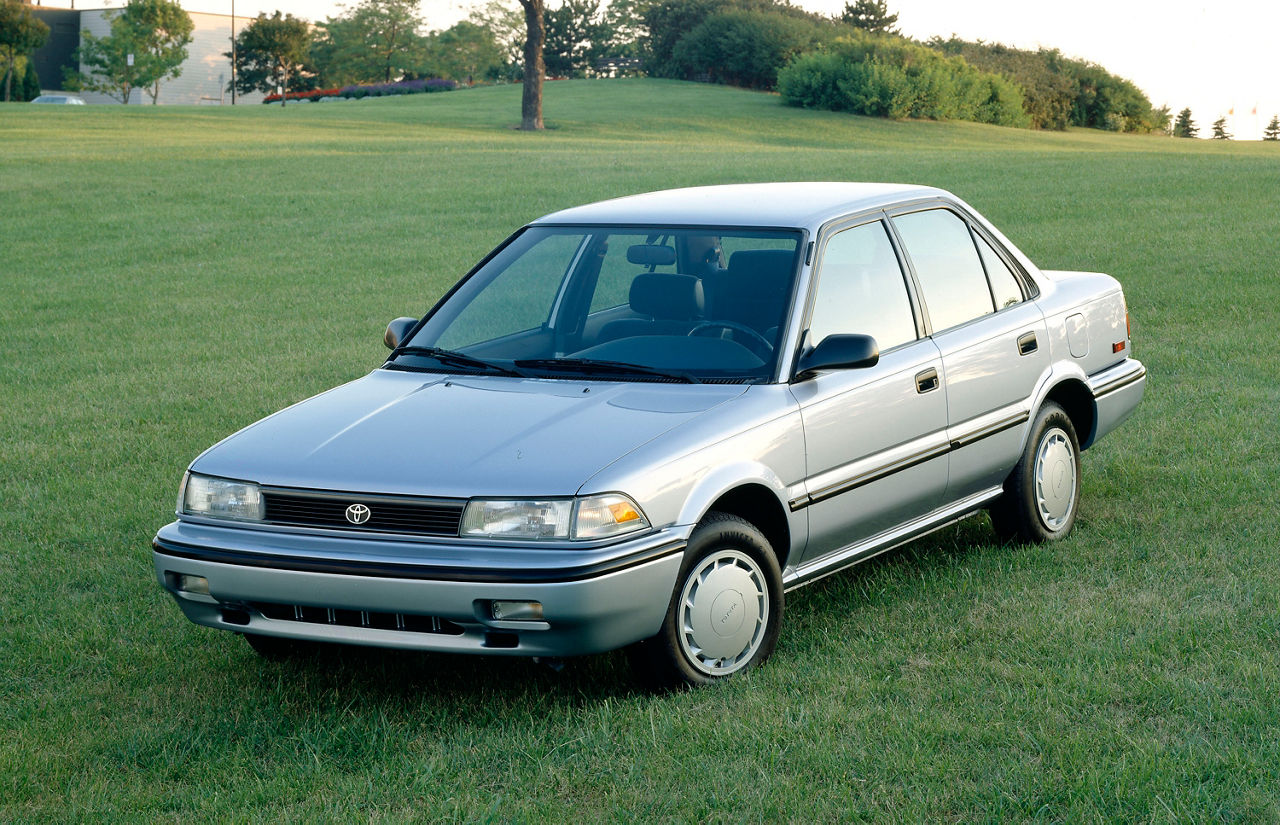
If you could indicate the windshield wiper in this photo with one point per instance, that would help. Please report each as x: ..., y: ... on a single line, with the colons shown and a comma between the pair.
x: 590, y: 366
x: 451, y: 358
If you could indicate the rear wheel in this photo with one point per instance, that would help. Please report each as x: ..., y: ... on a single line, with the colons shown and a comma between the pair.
x: 1042, y: 494
x: 724, y: 613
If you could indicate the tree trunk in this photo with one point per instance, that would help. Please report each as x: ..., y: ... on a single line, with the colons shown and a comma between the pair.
x: 531, y: 101
x: 8, y: 76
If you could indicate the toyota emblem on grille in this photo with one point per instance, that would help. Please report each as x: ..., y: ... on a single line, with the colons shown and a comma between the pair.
x: 358, y: 513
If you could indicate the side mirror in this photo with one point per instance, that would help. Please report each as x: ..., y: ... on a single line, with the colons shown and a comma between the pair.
x: 397, y: 330
x: 839, y: 352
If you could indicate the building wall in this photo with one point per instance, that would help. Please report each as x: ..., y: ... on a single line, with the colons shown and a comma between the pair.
x: 204, y: 77
x: 64, y: 39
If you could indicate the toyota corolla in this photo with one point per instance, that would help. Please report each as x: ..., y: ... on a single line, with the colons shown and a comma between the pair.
x: 638, y: 423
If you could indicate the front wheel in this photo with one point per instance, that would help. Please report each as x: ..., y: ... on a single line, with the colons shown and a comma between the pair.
x: 1042, y: 494
x: 724, y: 613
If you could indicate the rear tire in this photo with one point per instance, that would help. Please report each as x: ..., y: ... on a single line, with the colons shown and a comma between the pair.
x: 1042, y: 494
x: 724, y: 613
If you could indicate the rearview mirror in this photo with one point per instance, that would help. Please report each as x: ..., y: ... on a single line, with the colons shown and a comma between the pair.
x: 397, y: 331
x: 839, y: 352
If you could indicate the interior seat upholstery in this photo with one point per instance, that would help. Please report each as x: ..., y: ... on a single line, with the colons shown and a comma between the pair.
x: 672, y: 304
x: 753, y: 290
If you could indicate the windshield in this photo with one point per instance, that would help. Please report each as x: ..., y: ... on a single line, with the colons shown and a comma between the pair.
x: 618, y: 303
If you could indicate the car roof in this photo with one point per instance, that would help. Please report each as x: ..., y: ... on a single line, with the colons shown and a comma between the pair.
x: 745, y: 204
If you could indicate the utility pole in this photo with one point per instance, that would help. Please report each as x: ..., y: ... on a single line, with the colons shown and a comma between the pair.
x: 233, y: 52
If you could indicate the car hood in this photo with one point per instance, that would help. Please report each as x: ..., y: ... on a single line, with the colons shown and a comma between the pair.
x: 439, y: 435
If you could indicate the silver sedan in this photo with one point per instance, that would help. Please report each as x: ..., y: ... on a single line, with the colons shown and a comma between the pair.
x: 639, y: 422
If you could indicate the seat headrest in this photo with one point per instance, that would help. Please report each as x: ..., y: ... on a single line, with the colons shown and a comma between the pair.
x: 668, y: 296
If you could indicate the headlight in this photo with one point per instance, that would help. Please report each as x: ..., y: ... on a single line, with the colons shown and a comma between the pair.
x: 594, y: 517
x: 220, y: 498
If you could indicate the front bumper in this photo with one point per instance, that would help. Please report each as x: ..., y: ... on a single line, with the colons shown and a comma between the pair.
x: 418, y: 595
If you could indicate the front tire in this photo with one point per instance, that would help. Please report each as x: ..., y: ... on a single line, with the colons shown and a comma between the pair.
x: 724, y: 613
x: 1042, y: 494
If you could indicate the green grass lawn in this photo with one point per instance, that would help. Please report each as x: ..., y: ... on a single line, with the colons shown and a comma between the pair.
x: 168, y: 275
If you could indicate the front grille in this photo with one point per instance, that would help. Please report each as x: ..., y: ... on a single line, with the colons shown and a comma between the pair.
x: 404, y: 622
x: 386, y: 514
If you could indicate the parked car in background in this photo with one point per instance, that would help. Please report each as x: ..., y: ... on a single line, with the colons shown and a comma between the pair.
x: 640, y: 422
x: 70, y: 100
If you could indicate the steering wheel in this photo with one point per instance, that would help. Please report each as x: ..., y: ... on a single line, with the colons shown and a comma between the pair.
x: 757, y: 343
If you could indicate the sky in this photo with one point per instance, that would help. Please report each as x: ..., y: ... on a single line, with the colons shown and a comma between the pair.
x: 1216, y: 58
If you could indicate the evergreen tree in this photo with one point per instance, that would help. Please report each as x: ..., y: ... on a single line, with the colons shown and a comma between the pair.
x: 1220, y: 129
x: 30, y: 81
x: 870, y: 15
x: 1272, y: 131
x: 1184, y: 126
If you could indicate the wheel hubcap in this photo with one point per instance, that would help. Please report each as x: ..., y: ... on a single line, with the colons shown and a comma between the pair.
x: 724, y: 609
x: 1055, y: 474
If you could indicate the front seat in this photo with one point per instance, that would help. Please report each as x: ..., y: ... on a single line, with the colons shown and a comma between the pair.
x: 672, y: 304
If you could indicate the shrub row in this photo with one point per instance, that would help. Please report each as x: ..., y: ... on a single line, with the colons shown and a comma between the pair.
x: 822, y: 62
x: 400, y: 87
x: 892, y: 77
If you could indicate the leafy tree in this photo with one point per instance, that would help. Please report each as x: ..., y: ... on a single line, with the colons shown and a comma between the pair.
x: 376, y: 41
x: 670, y: 21
x: 464, y: 52
x: 577, y: 35
x: 112, y: 63
x: 271, y: 50
x: 870, y: 15
x: 21, y: 32
x: 745, y: 48
x: 534, y: 70
x: 147, y: 44
x: 506, y: 24
x: 1220, y: 129
x: 1184, y: 126
x: 1272, y: 132
x: 161, y: 31
x: 625, y: 18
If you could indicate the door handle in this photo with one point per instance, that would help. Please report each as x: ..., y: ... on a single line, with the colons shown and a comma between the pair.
x: 927, y: 381
x: 1027, y: 344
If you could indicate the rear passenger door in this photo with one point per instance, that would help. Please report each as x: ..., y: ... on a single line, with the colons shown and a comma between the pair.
x: 875, y: 438
x: 992, y: 340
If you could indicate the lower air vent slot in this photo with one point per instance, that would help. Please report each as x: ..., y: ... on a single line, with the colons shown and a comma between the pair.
x: 376, y: 620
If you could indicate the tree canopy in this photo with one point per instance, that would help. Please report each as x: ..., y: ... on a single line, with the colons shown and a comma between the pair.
x: 375, y: 41
x: 1272, y: 132
x: 161, y: 30
x: 147, y: 44
x: 21, y: 33
x: 1220, y: 129
x: 270, y: 51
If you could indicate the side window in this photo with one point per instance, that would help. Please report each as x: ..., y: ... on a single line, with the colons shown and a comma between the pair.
x: 613, y: 288
x: 946, y: 262
x: 1004, y: 286
x: 861, y: 290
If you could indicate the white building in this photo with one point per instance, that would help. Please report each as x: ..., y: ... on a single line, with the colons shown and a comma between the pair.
x: 204, y: 77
